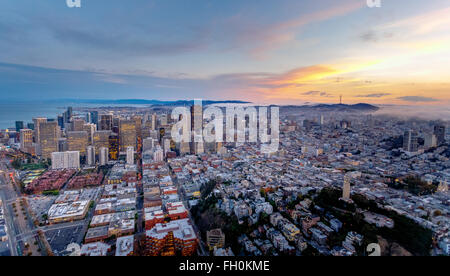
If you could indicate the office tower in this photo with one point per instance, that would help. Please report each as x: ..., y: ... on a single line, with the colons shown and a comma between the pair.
x: 30, y: 126
x: 130, y: 155
x: 19, y: 125
x: 60, y: 121
x: 185, y: 148
x: 37, y: 122
x: 321, y: 120
x: 90, y: 129
x: 90, y: 154
x: 106, y: 122
x: 62, y: 145
x: 114, y: 147
x: 163, y: 120
x: 67, y: 118
x: 26, y: 140
x: 146, y: 129
x: 166, y: 144
x: 148, y: 144
x: 77, y: 141
x: 94, y: 117
x: 101, y: 139
x: 158, y: 155
x: 410, y: 141
x: 70, y: 112
x: 68, y: 115
x: 439, y: 131
x: 88, y: 118
x: 199, y: 148
x: 154, y: 120
x: 127, y: 134
x: 103, y: 156
x: 48, y: 138
x: 115, y: 124
x: 430, y: 141
x: 138, y: 125
x: 78, y: 124
x: 197, y: 119
x: 346, y: 188
x: 65, y: 160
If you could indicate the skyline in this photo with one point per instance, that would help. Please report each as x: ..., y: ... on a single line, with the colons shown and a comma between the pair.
x: 283, y: 52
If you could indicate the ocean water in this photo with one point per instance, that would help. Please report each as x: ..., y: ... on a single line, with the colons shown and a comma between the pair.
x: 10, y: 112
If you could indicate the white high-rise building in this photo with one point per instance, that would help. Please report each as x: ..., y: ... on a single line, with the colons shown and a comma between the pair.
x: 321, y: 120
x: 130, y: 155
x: 148, y: 144
x: 166, y: 145
x: 66, y: 160
x: 163, y: 119
x: 430, y: 141
x: 103, y: 156
x: 158, y: 155
x: 90, y: 155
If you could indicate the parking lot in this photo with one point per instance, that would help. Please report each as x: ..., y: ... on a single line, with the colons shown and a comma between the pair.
x: 39, y: 206
x: 59, y: 239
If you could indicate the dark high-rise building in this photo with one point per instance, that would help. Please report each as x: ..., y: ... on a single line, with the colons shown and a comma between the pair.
x: 196, y: 117
x: 94, y: 117
x: 68, y: 115
x: 105, y: 122
x: 61, y: 121
x: 114, y: 147
x: 62, y: 145
x: 19, y: 125
x: 30, y: 126
x: 411, y: 141
x: 439, y: 132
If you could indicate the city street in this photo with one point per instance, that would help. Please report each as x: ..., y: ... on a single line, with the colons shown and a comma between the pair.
x: 21, y: 229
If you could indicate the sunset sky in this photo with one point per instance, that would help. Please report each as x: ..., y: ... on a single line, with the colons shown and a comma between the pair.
x: 265, y: 51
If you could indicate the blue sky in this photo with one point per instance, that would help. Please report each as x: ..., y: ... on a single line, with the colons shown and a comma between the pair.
x: 272, y: 51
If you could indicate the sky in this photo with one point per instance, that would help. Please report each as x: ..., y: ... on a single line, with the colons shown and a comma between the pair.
x: 264, y: 51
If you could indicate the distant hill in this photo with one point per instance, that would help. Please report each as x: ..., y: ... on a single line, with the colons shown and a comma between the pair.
x: 361, y: 107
